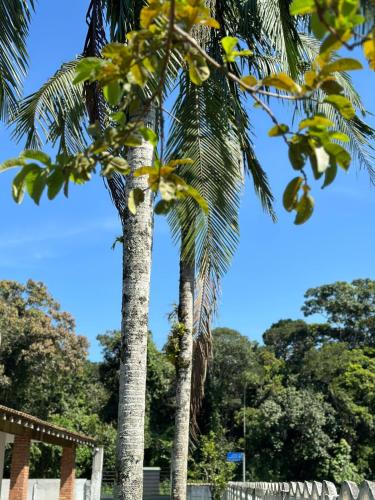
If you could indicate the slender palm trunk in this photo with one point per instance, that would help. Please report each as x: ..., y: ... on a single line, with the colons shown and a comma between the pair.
x: 183, y: 382
x: 137, y: 231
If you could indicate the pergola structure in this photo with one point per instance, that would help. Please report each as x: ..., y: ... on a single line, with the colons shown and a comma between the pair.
x: 21, y: 429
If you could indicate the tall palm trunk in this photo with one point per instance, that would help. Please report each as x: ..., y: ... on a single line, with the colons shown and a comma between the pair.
x: 137, y: 233
x: 183, y: 380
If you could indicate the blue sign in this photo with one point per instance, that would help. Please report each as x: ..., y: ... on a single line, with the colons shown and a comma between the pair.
x: 234, y: 456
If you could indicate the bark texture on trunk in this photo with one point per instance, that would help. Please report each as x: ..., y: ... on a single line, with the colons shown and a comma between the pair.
x: 183, y: 383
x: 137, y: 231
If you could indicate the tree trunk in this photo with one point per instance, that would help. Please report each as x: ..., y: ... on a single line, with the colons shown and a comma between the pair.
x: 183, y: 382
x: 137, y: 232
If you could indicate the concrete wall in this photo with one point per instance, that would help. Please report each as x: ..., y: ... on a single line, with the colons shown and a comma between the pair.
x: 198, y: 492
x: 48, y: 489
x: 304, y: 491
x: 151, y: 482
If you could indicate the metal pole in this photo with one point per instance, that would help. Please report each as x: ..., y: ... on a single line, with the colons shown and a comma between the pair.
x: 244, y: 437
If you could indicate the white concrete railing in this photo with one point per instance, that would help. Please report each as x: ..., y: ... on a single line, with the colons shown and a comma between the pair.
x: 298, y: 490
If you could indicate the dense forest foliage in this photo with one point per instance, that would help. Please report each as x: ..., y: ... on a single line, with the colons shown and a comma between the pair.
x: 307, y: 394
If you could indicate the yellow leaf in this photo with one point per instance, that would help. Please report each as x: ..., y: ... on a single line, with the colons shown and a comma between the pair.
x: 282, y: 81
x: 249, y: 80
x: 309, y: 78
x: 166, y: 170
x: 212, y: 23
x: 147, y: 15
x: 198, y: 69
x: 182, y: 161
x: 138, y: 75
x: 145, y: 171
x: 369, y: 51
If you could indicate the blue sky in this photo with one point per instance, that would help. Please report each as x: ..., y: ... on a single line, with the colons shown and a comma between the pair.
x: 67, y: 243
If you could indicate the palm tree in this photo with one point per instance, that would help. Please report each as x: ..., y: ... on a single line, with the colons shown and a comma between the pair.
x: 14, y: 28
x: 137, y: 243
x: 217, y: 137
x: 59, y: 108
x: 212, y: 128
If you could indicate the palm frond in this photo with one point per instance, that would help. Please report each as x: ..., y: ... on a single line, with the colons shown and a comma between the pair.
x: 14, y: 28
x: 54, y: 113
x: 122, y: 16
x: 205, y: 131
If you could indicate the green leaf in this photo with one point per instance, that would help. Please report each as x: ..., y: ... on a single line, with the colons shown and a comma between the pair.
x: 341, y: 156
x: 132, y: 141
x: 34, y: 154
x: 330, y: 175
x: 17, y: 192
x: 304, y: 208
x: 35, y: 182
x: 12, y: 163
x: 340, y: 136
x: 113, y: 50
x: 296, y: 155
x: 331, y: 86
x: 113, y: 93
x: 55, y: 182
x: 344, y: 64
x: 278, y: 130
x: 86, y: 69
x: 198, y: 69
x: 317, y: 121
x: 118, y: 117
x: 291, y: 192
x: 136, y: 196
x: 149, y: 135
x: 116, y: 164
x: 198, y: 198
x: 242, y: 53
x: 301, y: 7
x: 317, y: 26
x: 19, y: 181
x: 120, y: 165
x: 342, y: 104
x: 163, y: 207
x: 228, y: 43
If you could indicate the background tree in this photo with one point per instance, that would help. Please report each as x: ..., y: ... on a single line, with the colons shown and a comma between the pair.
x: 304, y: 373
x: 348, y: 307
x: 45, y: 372
x: 39, y: 344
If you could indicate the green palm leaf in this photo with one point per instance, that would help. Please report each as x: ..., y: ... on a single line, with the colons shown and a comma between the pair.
x: 14, y: 28
x: 56, y: 112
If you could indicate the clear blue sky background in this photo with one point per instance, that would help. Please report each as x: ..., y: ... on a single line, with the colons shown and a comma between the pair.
x: 67, y: 243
